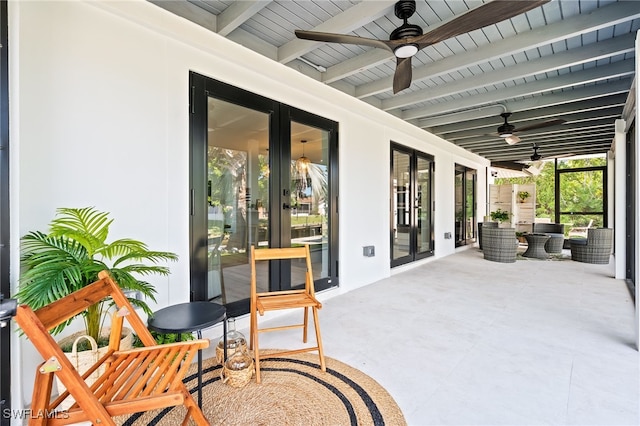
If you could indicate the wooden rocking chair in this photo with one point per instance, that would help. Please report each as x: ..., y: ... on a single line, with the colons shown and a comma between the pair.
x: 135, y: 380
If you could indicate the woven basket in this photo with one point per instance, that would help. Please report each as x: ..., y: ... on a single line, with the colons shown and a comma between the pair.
x: 230, y: 351
x: 237, y: 378
x: 85, y: 359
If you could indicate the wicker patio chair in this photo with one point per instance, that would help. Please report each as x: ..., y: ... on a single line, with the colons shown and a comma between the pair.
x: 596, y: 248
x: 484, y: 225
x: 499, y: 244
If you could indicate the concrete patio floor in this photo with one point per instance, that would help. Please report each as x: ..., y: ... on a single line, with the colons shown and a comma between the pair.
x: 464, y: 341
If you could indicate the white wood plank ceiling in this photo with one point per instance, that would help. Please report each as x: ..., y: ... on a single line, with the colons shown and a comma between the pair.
x: 568, y: 59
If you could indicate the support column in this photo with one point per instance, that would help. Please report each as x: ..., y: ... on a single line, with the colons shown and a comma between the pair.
x: 617, y: 220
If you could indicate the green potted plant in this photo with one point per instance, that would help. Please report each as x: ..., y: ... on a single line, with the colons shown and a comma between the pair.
x: 70, y: 256
x: 523, y: 195
x: 499, y: 215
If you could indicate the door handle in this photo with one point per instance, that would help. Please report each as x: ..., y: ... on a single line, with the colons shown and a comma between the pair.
x: 285, y: 206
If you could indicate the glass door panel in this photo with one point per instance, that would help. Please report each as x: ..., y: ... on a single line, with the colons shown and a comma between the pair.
x: 401, y: 196
x: 423, y: 205
x: 237, y: 196
x: 411, y: 206
x: 459, y: 206
x: 470, y: 204
x: 309, y: 216
x: 465, y: 205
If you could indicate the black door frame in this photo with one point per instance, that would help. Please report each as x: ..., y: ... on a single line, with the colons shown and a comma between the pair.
x: 280, y: 117
x: 630, y: 208
x: 414, y: 254
x: 5, y: 285
x: 465, y: 171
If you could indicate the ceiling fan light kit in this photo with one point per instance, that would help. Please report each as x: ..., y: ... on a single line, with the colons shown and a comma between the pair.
x: 406, y: 51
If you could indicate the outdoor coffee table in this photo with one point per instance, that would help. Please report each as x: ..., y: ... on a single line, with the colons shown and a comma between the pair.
x: 535, y: 247
x: 187, y: 318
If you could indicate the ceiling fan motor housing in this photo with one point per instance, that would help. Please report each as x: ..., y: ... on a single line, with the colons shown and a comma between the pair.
x: 403, y: 10
x: 535, y: 156
x: 506, y: 129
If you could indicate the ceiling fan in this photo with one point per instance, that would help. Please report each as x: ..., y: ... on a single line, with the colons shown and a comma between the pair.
x: 406, y: 40
x: 508, y: 131
x: 537, y: 157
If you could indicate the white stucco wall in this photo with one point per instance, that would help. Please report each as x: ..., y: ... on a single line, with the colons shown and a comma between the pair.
x: 99, y: 117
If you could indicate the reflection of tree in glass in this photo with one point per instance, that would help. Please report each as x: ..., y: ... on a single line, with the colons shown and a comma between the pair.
x: 309, y: 183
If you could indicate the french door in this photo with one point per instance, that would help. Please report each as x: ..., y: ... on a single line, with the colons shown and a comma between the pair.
x: 411, y: 205
x: 263, y: 174
x: 465, y: 205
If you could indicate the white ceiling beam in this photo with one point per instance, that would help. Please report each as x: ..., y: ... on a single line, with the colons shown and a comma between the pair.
x: 575, y: 95
x: 237, y: 13
x: 557, y: 143
x: 252, y: 42
x: 519, y: 119
x: 370, y: 59
x: 568, y: 149
x: 570, y: 96
x: 561, y: 145
x: 580, y: 24
x: 617, y: 69
x: 565, y: 128
x: 490, y: 128
x: 568, y: 58
x: 354, y: 17
x: 190, y: 12
x: 582, y: 135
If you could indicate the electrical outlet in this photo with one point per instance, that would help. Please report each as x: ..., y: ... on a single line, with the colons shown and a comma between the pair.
x: 368, y: 251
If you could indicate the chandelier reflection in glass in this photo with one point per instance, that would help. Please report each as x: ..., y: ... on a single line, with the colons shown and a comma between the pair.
x: 302, y: 163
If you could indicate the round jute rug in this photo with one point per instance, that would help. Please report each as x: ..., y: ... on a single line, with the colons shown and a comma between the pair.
x: 294, y: 391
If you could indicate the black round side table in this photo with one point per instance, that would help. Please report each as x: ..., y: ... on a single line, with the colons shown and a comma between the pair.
x: 187, y: 318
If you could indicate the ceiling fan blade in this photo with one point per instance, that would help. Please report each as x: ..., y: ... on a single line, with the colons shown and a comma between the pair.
x: 482, y: 16
x: 540, y: 125
x: 570, y: 154
x: 343, y: 38
x: 402, y: 76
x: 511, y: 165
